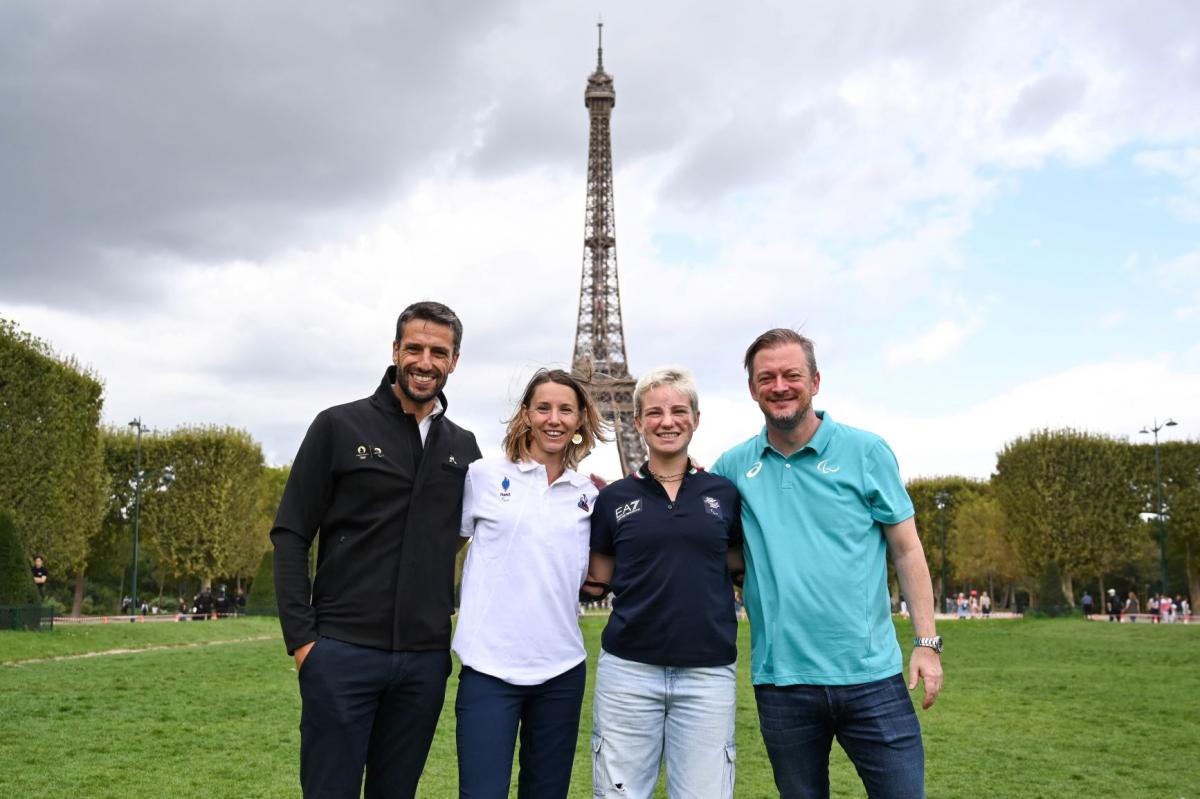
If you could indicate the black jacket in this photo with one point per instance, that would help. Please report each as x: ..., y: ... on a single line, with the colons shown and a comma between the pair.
x: 388, y: 512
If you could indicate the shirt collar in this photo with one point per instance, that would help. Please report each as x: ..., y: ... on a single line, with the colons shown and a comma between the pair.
x: 643, y: 472
x: 817, y: 443
x: 573, y: 477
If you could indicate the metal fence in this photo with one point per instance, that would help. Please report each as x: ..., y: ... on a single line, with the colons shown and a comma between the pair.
x: 26, y: 617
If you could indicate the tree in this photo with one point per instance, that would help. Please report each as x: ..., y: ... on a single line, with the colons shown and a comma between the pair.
x: 979, y: 547
x: 195, y: 529
x: 1050, y: 600
x: 51, y: 473
x: 261, y: 601
x: 1181, y: 501
x: 1067, y: 497
x: 924, y: 494
x: 16, y: 581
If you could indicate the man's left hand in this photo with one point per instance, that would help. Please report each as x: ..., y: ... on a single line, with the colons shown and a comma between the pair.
x: 925, y: 665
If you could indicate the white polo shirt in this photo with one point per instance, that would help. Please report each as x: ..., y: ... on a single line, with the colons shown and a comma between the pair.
x: 520, y: 590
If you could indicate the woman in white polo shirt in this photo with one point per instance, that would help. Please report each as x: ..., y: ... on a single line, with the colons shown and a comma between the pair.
x: 528, y: 515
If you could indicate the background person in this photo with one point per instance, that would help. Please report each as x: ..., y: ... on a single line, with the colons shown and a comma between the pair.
x: 40, y: 575
x: 667, y: 538
x: 523, y: 658
x: 1113, y: 602
x: 381, y: 480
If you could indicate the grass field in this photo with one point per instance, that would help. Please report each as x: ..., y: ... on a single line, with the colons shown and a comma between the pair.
x: 1031, y: 709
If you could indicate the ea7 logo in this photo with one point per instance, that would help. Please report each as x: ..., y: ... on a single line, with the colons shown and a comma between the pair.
x: 628, y: 508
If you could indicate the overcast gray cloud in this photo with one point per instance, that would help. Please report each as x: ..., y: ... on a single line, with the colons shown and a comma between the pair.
x: 214, y: 131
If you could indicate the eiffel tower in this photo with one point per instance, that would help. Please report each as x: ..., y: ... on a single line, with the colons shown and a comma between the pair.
x: 599, y: 337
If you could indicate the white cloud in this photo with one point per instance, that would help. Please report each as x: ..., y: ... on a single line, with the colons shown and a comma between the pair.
x: 939, y: 342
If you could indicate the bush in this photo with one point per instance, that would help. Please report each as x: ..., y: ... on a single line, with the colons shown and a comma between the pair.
x: 1051, y: 601
x: 261, y: 601
x: 16, y: 581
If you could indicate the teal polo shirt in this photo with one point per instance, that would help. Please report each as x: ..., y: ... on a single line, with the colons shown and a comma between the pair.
x: 816, y: 556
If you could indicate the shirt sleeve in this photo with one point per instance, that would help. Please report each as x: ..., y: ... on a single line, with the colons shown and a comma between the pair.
x: 602, y: 526
x: 886, y: 495
x: 720, y: 468
x: 301, y: 510
x: 467, y: 527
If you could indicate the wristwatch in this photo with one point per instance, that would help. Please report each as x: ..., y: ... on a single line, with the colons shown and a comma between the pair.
x: 934, y: 642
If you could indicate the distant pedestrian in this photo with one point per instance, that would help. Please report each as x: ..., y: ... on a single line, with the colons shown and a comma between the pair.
x: 985, y: 604
x: 1113, y: 603
x: 40, y: 575
x: 1132, y: 607
x: 1152, y: 609
x: 1087, y: 603
x: 974, y: 603
x: 964, y: 607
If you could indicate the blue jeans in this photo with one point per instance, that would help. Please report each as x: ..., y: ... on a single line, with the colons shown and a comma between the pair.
x: 367, y: 708
x: 874, y: 722
x: 489, y: 711
x: 643, y: 714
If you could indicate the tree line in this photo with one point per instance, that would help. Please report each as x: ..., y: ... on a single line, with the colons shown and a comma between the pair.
x: 1078, y: 504
x: 67, y: 487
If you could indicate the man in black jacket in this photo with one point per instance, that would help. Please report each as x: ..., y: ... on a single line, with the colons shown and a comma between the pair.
x: 381, y: 481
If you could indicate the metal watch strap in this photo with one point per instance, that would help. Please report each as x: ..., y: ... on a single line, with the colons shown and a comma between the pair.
x: 932, y: 642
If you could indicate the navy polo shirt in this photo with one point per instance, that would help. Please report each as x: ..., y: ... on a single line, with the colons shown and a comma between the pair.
x: 672, y: 596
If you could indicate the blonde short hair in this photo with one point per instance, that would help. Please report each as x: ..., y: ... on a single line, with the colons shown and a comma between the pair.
x: 676, y: 377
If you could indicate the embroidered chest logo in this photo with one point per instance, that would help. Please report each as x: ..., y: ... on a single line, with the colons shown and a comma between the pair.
x: 505, y: 494
x: 713, y: 506
x: 628, y: 509
x: 583, y: 503
x: 754, y: 470
x: 362, y: 451
x: 824, y: 467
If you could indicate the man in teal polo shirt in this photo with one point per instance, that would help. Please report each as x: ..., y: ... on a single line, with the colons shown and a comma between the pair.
x: 822, y: 503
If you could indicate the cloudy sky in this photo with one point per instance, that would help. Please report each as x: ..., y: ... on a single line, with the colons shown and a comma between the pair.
x: 987, y: 215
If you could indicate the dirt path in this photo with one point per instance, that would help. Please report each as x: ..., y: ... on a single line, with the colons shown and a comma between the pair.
x: 158, y: 648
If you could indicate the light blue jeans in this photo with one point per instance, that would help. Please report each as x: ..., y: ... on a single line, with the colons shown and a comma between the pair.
x: 643, y: 714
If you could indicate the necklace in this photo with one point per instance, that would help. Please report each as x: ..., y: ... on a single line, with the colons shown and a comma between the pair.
x: 667, y: 478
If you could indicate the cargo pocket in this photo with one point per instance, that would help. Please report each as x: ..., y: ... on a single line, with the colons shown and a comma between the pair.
x: 729, y: 773
x: 602, y: 780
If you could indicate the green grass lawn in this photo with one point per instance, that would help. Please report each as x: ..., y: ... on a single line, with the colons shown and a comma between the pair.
x: 1030, y: 709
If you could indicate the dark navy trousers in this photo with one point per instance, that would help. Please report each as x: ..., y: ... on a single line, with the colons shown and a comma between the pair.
x: 369, y: 709
x: 490, y: 711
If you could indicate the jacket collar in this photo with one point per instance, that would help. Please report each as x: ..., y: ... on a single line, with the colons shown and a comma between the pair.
x: 387, y: 399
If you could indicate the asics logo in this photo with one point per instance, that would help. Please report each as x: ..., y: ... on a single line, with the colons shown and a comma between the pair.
x: 754, y: 470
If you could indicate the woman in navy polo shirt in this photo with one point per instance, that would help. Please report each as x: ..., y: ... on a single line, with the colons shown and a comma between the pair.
x: 667, y: 538
x: 518, y: 629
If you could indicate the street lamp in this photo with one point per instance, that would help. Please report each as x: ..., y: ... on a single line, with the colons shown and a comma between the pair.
x: 942, y: 499
x: 164, y: 478
x: 1162, y: 525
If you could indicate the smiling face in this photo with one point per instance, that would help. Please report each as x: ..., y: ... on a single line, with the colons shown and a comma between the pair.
x: 553, y: 417
x: 667, y: 421
x: 424, y: 358
x: 783, y: 385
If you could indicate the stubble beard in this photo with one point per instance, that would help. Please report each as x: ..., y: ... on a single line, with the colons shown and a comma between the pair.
x: 438, y: 385
x: 786, y: 424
